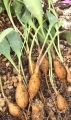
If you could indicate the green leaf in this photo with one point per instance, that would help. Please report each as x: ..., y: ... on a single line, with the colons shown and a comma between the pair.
x: 4, y: 47
x: 5, y: 50
x: 26, y: 16
x: 5, y: 32
x: 35, y: 7
x: 15, y: 42
x: 18, y: 9
x: 58, y: 24
x: 53, y: 11
x: 27, y: 19
x: 67, y: 35
x: 52, y: 19
x: 2, y: 8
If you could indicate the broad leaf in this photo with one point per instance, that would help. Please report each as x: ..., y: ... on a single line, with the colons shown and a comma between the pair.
x: 5, y: 50
x: 2, y: 8
x: 26, y: 16
x: 52, y: 19
x: 4, y: 47
x: 27, y: 19
x: 5, y: 32
x: 35, y: 7
x: 15, y: 42
x: 18, y: 9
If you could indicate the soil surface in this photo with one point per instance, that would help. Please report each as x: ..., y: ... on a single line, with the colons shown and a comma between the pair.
x: 48, y: 98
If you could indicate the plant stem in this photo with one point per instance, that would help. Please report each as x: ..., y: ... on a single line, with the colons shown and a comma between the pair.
x: 25, y: 81
x: 33, y: 45
x: 2, y: 88
x: 45, y: 42
x: 58, y: 52
x: 47, y: 49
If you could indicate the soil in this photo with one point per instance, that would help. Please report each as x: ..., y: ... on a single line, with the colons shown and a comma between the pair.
x: 10, y: 76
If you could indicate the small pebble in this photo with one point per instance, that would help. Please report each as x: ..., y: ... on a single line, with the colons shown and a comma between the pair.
x: 66, y: 12
x: 1, y: 109
x: 5, y: 86
x: 8, y: 74
x: 3, y: 71
x: 10, y: 87
x: 14, y: 79
x: 61, y: 46
x: 54, y: 1
x: 69, y: 89
x: 15, y: 71
x: 4, y: 59
x: 7, y: 82
x: 11, y: 83
x: 49, y: 105
x: 7, y: 64
x: 2, y: 102
x: 7, y: 92
x: 15, y: 84
x: 4, y: 77
x: 0, y: 96
x: 70, y: 69
x: 9, y: 97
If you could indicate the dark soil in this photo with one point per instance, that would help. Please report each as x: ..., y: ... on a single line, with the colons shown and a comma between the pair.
x: 9, y: 79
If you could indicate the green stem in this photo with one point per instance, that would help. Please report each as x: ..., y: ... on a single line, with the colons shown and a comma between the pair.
x: 45, y: 42
x: 51, y: 73
x: 57, y: 51
x: 19, y: 64
x: 49, y: 46
x: 25, y: 81
x: 2, y: 88
x: 26, y: 36
x: 50, y: 68
x: 33, y: 45
x: 12, y: 62
x: 59, y: 55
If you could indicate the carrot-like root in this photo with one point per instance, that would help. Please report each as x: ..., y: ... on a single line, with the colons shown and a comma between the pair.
x: 14, y: 110
x: 34, y: 83
x: 59, y: 68
x: 21, y: 95
x: 61, y: 102
x: 44, y: 67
